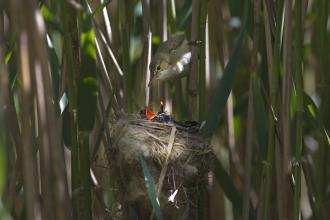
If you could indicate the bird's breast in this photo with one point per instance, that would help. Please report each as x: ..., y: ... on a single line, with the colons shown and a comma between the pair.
x: 177, y: 69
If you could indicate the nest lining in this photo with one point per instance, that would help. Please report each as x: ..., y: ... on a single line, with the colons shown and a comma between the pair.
x: 133, y: 136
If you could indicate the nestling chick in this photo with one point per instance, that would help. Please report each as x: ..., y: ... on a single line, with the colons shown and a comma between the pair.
x: 171, y: 59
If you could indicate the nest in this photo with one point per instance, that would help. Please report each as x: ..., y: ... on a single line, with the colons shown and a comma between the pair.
x: 177, y: 160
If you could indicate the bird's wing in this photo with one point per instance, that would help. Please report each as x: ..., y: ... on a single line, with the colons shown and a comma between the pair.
x: 171, y: 44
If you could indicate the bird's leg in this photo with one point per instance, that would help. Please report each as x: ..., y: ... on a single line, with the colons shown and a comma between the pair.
x: 195, y: 43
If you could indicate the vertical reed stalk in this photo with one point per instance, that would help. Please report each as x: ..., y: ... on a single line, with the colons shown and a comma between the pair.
x: 203, y: 22
x: 5, y: 156
x: 322, y: 155
x: 14, y: 150
x: 277, y: 69
x: 166, y: 93
x: 175, y: 94
x: 107, y: 23
x: 178, y: 100
x: 250, y: 118
x: 171, y: 15
x: 322, y: 7
x: 85, y: 203
x: 273, y: 61
x: 201, y: 83
x: 124, y: 25
x: 29, y: 166
x: 268, y: 166
x: 286, y: 94
x: 299, y: 96
x: 248, y: 156
x: 71, y: 59
x: 164, y: 32
x: 193, y: 75
x: 147, y: 36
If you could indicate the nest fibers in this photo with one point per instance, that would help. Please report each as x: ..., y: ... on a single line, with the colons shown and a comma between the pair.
x: 178, y: 162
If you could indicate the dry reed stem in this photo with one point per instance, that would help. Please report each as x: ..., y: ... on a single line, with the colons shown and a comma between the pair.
x: 164, y: 169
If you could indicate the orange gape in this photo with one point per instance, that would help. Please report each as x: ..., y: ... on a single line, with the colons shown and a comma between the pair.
x: 149, y: 113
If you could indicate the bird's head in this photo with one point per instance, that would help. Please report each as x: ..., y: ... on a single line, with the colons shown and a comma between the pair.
x: 157, y: 65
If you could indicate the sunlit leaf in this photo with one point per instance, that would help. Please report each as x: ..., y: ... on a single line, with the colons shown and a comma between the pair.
x: 8, y: 56
x: 155, y: 40
x: 54, y: 66
x: 50, y: 19
x: 10, y: 60
x: 63, y: 103
x: 311, y: 114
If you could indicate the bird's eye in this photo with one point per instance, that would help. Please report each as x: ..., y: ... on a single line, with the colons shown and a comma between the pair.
x: 158, y: 67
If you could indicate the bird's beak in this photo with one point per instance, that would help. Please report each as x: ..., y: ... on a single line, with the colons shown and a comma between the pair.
x: 153, y: 78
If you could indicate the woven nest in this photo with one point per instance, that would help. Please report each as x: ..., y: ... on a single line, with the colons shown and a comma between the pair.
x: 183, y: 164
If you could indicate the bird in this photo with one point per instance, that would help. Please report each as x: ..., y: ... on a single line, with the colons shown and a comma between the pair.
x: 171, y: 60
